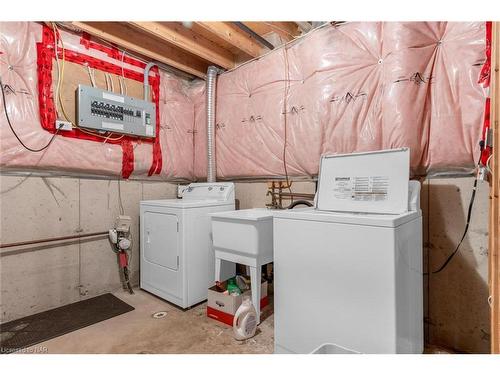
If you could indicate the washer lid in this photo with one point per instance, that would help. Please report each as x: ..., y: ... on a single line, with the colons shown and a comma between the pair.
x: 184, y: 203
x: 367, y: 219
x: 365, y: 182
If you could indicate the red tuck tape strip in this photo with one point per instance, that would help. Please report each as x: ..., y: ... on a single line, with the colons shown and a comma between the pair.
x: 484, y: 79
x: 485, y: 75
x: 112, y: 52
x: 157, y: 160
x: 45, y: 58
x: 127, y: 159
x: 486, y: 126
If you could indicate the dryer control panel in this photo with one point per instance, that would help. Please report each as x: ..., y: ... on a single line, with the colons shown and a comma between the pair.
x: 220, y: 191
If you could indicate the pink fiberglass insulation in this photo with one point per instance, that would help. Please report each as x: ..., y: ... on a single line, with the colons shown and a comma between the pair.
x: 354, y: 87
x: 18, y: 69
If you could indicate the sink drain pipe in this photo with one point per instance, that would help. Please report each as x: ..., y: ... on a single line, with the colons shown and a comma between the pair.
x: 211, y: 94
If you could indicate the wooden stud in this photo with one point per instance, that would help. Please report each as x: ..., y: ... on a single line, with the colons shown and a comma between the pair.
x: 234, y: 36
x: 176, y: 34
x: 494, y: 230
x: 129, y: 38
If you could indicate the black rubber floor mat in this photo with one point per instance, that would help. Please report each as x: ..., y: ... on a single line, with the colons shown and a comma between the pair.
x: 46, y: 325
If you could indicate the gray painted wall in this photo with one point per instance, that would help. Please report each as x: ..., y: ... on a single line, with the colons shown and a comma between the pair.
x: 35, y: 279
x: 40, y: 277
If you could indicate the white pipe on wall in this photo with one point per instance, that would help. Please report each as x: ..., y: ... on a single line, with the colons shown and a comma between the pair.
x: 146, y: 79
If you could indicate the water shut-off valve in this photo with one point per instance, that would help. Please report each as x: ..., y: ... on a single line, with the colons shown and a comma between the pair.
x: 120, y: 237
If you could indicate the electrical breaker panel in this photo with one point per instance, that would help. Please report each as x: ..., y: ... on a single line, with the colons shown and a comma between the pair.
x: 107, y: 111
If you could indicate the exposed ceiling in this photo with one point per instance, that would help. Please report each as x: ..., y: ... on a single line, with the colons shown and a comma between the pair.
x: 192, y: 46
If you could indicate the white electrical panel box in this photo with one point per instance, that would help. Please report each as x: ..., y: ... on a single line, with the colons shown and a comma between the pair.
x: 375, y: 182
x: 107, y: 111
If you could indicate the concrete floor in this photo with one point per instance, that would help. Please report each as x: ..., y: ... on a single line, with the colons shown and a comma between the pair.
x: 181, y: 331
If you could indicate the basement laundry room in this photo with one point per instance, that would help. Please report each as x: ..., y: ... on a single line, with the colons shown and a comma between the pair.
x: 249, y: 187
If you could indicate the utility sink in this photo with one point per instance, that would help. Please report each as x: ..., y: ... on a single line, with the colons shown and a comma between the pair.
x: 244, y: 237
x: 245, y: 233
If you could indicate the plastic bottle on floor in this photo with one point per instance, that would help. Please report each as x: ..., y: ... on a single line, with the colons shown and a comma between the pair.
x: 245, y: 320
x: 232, y: 288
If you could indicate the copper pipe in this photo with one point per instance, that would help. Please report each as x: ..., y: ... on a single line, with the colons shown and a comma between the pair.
x: 53, y: 239
x: 296, y: 195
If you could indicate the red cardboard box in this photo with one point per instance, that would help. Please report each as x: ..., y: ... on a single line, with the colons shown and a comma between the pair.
x: 222, y: 307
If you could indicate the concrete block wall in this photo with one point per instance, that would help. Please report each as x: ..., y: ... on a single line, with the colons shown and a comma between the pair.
x: 35, y: 279
x: 40, y: 277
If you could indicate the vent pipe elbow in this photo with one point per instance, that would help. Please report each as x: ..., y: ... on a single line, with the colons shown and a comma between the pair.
x: 211, y: 94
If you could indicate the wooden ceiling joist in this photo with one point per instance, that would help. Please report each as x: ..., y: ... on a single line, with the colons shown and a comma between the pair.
x: 176, y: 34
x: 235, y: 37
x: 286, y: 30
x: 192, y: 48
x: 154, y: 48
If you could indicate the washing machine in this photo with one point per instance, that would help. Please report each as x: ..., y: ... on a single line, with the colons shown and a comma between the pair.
x: 177, y: 259
x: 352, y: 279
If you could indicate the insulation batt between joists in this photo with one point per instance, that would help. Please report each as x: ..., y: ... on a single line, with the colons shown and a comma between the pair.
x: 354, y: 87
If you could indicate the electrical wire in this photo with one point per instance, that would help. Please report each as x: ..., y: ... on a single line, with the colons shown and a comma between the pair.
x: 488, y: 168
x: 60, y: 70
x: 466, y: 230
x: 123, y: 75
x: 120, y: 202
x: 120, y: 82
x: 279, y: 29
x: 60, y: 99
x: 14, y: 132
x: 58, y: 86
x: 106, y: 79
x: 131, y: 247
x: 303, y: 36
x: 128, y: 253
x: 285, y: 105
x: 91, y: 75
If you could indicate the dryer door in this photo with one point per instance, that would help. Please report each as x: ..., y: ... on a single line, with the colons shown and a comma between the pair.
x: 161, y: 247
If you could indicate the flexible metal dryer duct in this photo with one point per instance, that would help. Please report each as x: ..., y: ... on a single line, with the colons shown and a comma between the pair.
x: 211, y: 92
